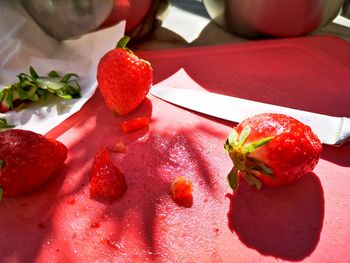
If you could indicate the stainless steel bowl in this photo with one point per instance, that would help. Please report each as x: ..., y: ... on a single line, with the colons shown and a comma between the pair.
x: 64, y: 19
x: 279, y: 18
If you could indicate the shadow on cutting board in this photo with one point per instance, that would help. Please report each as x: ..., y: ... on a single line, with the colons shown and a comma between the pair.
x: 25, y: 223
x: 283, y: 222
x: 135, y: 226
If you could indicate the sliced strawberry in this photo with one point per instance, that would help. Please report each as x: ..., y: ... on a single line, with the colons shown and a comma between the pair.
x: 107, y: 181
x: 134, y: 124
x: 28, y: 160
x: 181, y: 191
x: 119, y: 147
x: 123, y: 79
x: 271, y: 149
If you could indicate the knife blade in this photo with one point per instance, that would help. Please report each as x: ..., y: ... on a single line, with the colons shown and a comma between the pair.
x: 330, y: 130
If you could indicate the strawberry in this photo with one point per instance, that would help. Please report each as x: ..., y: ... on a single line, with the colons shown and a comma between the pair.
x: 181, y: 191
x: 123, y: 79
x: 106, y: 181
x: 271, y: 149
x: 134, y: 124
x: 28, y: 161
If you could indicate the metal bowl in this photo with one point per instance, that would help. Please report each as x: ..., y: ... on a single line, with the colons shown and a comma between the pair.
x: 66, y: 19
x: 279, y: 18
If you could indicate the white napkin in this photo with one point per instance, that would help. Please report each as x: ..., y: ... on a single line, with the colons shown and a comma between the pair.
x: 23, y: 43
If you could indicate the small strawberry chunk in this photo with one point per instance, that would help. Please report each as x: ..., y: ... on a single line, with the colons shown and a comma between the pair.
x: 134, y: 124
x: 107, y: 181
x: 119, y: 147
x: 181, y: 191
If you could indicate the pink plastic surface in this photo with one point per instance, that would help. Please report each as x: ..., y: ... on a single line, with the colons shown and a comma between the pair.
x: 307, y: 221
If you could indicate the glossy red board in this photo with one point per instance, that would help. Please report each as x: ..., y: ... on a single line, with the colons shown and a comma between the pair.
x: 307, y: 221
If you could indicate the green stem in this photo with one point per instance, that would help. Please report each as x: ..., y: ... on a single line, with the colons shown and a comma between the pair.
x: 233, y: 179
x: 123, y: 42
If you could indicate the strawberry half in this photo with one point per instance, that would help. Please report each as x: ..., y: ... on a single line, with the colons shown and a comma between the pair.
x: 106, y: 181
x: 271, y: 149
x: 27, y: 160
x: 123, y: 79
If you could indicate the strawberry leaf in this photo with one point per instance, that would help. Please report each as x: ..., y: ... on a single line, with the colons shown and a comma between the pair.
x: 5, y: 125
x: 31, y: 88
x: 252, y: 164
x: 42, y: 94
x: 227, y: 146
x: 266, y: 170
x: 1, y: 163
x: 33, y: 73
x: 233, y: 179
x: 67, y: 78
x: 244, y: 134
x: 231, y: 140
x: 53, y: 74
x: 233, y: 136
x: 1, y: 192
x: 21, y: 93
x: 69, y: 90
x: 256, y: 144
x: 252, y: 180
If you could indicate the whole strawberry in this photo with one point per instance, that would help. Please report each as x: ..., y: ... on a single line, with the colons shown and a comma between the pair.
x: 123, y: 79
x: 271, y: 149
x: 27, y: 160
x: 106, y: 181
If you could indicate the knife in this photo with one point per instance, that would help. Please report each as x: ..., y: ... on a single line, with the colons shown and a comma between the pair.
x: 330, y: 130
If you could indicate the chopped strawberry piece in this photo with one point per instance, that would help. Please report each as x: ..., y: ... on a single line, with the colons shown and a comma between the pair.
x: 134, y: 124
x: 106, y: 181
x: 119, y: 147
x: 181, y: 191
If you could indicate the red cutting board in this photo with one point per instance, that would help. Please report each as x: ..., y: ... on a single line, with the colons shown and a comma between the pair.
x: 305, y: 222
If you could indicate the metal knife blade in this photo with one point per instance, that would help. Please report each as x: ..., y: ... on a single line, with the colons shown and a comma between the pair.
x: 330, y: 130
